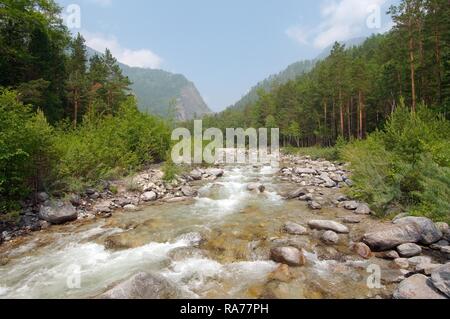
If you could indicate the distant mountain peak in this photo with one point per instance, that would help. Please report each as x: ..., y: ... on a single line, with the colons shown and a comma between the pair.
x: 163, y: 93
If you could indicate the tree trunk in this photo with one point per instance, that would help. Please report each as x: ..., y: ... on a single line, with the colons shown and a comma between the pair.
x: 341, y: 113
x: 411, y: 62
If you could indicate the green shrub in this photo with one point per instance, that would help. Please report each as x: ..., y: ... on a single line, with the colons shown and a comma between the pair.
x: 406, y: 164
x: 26, y: 150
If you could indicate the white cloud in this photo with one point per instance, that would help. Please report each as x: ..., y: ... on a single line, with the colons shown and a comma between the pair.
x: 342, y: 20
x: 143, y: 58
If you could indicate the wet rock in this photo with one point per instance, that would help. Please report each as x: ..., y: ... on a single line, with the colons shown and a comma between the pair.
x: 288, y: 255
x: 409, y: 250
x: 188, y: 191
x: 352, y: 219
x: 143, y: 286
x: 440, y: 278
x: 429, y: 233
x: 314, y: 205
x: 58, y: 213
x: 330, y: 237
x: 42, y: 197
x: 362, y: 250
x: 297, y: 193
x: 149, y: 196
x: 392, y: 236
x: 282, y: 273
x: 183, y: 253
x: 401, y: 263
x: 417, y: 287
x: 363, y: 209
x: 328, y: 225
x: 192, y: 239
x: 294, y: 229
x: 256, y: 187
x: 351, y: 205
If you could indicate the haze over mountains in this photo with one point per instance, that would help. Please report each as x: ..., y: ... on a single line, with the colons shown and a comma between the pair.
x: 163, y: 93
x: 290, y: 73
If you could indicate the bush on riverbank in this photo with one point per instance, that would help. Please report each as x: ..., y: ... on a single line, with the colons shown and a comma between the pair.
x: 35, y: 156
x: 407, y: 164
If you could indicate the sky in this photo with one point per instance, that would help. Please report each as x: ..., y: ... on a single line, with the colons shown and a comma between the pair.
x: 224, y: 46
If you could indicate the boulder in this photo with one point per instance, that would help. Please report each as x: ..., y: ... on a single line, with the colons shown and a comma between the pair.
x: 409, y: 250
x: 440, y: 278
x: 390, y: 255
x: 296, y: 193
x: 392, y: 236
x: 328, y: 225
x: 294, y: 229
x: 58, y: 213
x: 196, y: 175
x: 143, y: 286
x: 188, y: 191
x: 256, y: 187
x: 330, y: 237
x: 429, y: 233
x: 363, y: 209
x: 149, y: 196
x: 362, y: 250
x: 417, y: 287
x: 351, y: 205
x: 288, y: 255
x: 314, y: 205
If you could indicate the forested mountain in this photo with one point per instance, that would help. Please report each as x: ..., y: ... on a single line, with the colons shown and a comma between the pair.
x: 290, y: 73
x: 163, y: 93
x: 354, y: 90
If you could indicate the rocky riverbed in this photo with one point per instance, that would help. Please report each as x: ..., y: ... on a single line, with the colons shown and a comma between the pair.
x: 224, y: 232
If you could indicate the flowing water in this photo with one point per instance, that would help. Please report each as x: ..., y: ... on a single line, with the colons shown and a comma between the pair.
x: 239, y: 228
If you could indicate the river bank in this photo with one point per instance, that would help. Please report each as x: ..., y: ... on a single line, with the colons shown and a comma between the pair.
x: 231, y: 232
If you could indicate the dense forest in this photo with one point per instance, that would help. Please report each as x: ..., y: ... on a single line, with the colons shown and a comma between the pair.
x: 355, y: 90
x: 66, y: 121
x: 383, y: 106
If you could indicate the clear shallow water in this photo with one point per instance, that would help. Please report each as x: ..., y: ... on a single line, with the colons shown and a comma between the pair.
x: 238, y: 226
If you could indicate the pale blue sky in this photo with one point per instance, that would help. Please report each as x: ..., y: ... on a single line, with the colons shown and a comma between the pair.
x: 224, y: 46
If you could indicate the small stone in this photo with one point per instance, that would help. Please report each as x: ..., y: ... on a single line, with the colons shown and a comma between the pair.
x: 288, y: 255
x: 328, y: 225
x: 149, y: 196
x: 330, y: 237
x: 401, y: 263
x: 296, y: 193
x: 409, y: 250
x: 130, y: 208
x: 314, y: 205
x: 351, y: 205
x: 352, y: 219
x: 391, y: 255
x: 294, y: 229
x: 363, y: 209
x: 362, y: 250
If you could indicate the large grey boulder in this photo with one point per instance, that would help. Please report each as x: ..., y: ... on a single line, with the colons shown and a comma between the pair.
x: 392, y: 236
x: 149, y: 196
x: 296, y: 193
x: 143, y: 286
x: 328, y: 225
x: 417, y: 287
x: 441, y: 279
x: 428, y: 230
x: 58, y: 213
